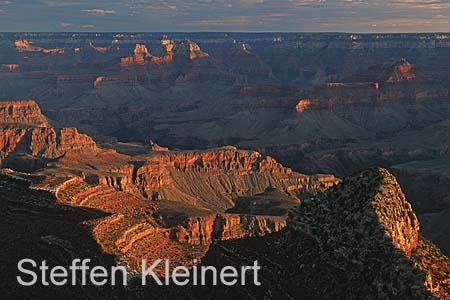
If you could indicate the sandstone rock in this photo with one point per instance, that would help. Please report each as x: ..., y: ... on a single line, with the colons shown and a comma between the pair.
x: 10, y: 67
x: 139, y: 58
x: 194, y: 50
x: 155, y: 147
x: 303, y: 104
x: 97, y: 48
x: 26, y: 46
x: 25, y: 130
x: 401, y: 71
x: 169, y: 46
x: 21, y: 113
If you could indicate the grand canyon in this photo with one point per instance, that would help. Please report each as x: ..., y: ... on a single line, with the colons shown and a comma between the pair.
x: 324, y: 156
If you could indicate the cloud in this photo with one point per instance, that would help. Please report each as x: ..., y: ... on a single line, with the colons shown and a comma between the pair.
x: 99, y: 12
x: 227, y: 15
x: 65, y: 25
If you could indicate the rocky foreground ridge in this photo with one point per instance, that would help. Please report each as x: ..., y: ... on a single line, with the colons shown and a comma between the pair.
x: 358, y: 240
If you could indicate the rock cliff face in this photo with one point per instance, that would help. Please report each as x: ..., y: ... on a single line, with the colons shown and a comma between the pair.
x: 303, y: 104
x: 141, y: 53
x: 45, y: 142
x: 208, y: 178
x: 26, y: 46
x: 401, y: 71
x: 370, y: 219
x: 25, y: 130
x: 10, y: 67
x: 21, y: 113
x: 172, y: 49
x: 190, y: 193
x: 382, y: 204
x: 192, y: 49
x: 358, y: 240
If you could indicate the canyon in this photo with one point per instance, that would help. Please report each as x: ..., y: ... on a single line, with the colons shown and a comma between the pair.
x: 209, y: 145
x: 171, y: 204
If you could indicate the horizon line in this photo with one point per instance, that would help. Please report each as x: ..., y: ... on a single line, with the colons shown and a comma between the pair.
x: 233, y: 31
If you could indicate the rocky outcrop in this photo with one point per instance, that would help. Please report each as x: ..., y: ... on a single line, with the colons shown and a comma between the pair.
x: 211, y: 178
x: 204, y: 227
x: 25, y: 131
x: 401, y: 71
x: 362, y: 222
x: 302, y: 105
x: 181, y: 49
x: 44, y: 142
x: 99, y: 49
x: 193, y: 49
x: 382, y: 204
x: 140, y: 54
x: 10, y: 67
x: 21, y: 114
x: 50, y: 142
x: 358, y: 240
x: 155, y: 147
x: 169, y: 46
x: 26, y: 46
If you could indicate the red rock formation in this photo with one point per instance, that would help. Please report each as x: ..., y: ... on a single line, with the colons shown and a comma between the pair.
x: 168, y: 44
x: 155, y: 147
x: 402, y: 71
x: 169, y: 47
x: 186, y: 48
x: 209, y: 179
x: 11, y: 67
x: 303, y: 104
x: 139, y: 58
x: 45, y: 141
x: 202, y: 230
x: 53, y: 51
x: 98, y: 49
x: 123, y: 79
x: 194, y: 51
x: 26, y: 46
x: 98, y: 80
x: 21, y: 113
x: 24, y: 130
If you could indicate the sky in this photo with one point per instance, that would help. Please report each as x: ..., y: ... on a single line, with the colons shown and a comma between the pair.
x: 226, y: 15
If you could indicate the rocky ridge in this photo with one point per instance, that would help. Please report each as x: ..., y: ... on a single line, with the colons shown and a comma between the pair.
x: 24, y: 130
x: 366, y: 223
x: 357, y: 240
